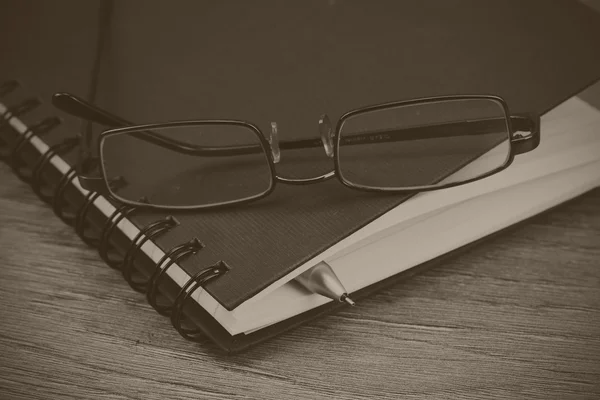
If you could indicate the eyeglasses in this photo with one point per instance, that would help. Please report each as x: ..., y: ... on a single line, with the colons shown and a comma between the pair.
x: 400, y: 147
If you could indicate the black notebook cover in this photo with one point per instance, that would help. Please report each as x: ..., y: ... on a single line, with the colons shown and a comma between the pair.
x: 291, y: 62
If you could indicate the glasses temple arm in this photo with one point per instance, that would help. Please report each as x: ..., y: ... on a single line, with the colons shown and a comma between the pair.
x: 80, y: 108
x: 519, y: 123
x: 523, y: 143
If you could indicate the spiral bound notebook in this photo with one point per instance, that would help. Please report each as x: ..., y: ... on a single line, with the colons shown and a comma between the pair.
x: 563, y: 167
x: 226, y: 275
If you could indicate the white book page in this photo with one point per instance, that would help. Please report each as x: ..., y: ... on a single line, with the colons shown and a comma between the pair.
x: 434, y: 236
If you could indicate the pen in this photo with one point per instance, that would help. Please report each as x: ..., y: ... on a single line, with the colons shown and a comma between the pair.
x: 322, y: 280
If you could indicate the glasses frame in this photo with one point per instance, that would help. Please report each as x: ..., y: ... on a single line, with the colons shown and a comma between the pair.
x: 518, y: 144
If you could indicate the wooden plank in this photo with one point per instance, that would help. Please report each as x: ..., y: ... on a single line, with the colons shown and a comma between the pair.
x: 517, y: 317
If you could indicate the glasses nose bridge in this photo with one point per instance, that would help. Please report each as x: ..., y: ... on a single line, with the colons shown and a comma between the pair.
x: 326, y: 132
x: 326, y: 136
x: 274, y: 143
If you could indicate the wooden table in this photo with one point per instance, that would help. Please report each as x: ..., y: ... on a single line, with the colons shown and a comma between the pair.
x: 516, y: 317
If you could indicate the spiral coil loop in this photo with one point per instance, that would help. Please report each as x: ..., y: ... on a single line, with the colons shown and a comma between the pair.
x: 197, y: 281
x: 10, y: 152
x: 81, y: 219
x: 36, y: 172
x: 173, y: 256
x: 16, y: 162
x: 149, y: 232
x: 58, y: 200
x: 11, y: 112
x: 104, y: 246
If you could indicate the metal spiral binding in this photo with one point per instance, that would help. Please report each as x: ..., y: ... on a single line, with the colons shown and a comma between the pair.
x: 80, y: 220
x: 14, y: 155
x: 149, y: 232
x: 15, y: 111
x: 173, y: 256
x: 109, y: 227
x: 36, y: 172
x: 197, y: 281
x: 94, y: 241
x: 58, y: 200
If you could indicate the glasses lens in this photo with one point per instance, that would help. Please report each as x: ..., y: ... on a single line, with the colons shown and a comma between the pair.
x: 424, y: 145
x: 203, y: 164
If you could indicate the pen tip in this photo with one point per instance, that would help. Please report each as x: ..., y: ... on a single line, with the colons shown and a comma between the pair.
x: 347, y: 299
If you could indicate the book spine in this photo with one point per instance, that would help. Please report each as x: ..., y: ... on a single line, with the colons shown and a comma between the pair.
x: 56, y: 195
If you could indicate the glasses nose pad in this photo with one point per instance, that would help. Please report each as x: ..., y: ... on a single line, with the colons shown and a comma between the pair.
x: 274, y: 142
x: 326, y: 134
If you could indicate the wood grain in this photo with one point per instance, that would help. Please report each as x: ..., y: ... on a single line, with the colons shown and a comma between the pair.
x: 516, y: 317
